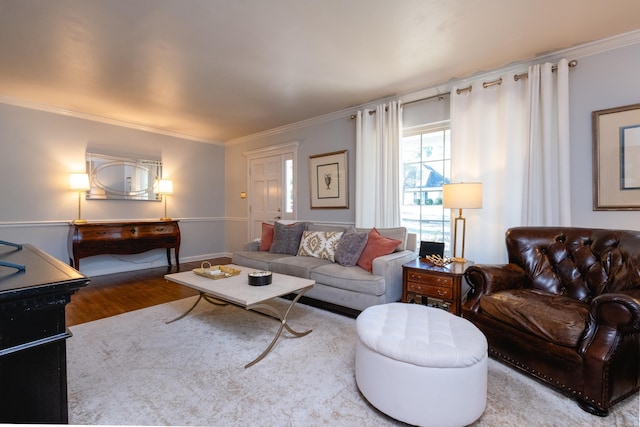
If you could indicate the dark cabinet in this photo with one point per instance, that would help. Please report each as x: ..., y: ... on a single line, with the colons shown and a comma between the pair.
x: 33, y: 334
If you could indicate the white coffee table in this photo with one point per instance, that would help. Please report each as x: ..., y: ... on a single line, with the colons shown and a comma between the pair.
x: 237, y: 291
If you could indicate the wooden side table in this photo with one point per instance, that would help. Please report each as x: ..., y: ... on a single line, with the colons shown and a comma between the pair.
x: 441, y: 287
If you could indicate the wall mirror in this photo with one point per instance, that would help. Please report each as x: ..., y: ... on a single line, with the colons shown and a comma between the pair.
x: 122, y: 178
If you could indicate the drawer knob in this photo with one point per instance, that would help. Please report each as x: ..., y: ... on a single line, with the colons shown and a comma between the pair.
x: 133, y: 231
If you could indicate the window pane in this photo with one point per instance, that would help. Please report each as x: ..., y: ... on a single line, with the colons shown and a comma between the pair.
x: 426, y: 166
x: 288, y: 182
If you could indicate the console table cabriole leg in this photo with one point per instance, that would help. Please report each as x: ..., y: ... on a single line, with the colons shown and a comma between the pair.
x: 283, y: 324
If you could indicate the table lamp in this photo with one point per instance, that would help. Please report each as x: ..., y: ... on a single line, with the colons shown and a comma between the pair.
x: 462, y: 195
x: 80, y: 183
x: 165, y: 186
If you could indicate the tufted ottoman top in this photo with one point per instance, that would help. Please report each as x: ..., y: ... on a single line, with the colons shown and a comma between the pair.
x: 420, y: 335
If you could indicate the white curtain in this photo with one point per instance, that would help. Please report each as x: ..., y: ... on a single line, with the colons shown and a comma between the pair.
x: 378, y: 188
x: 491, y: 127
x: 547, y: 198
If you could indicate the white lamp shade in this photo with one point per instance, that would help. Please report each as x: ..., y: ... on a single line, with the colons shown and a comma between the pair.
x: 165, y: 186
x: 462, y: 195
x: 79, y: 181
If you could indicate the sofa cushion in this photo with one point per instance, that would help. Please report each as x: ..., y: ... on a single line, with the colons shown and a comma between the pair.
x: 286, y: 238
x: 350, y: 248
x: 377, y: 245
x: 353, y: 279
x: 267, y: 237
x: 298, y: 266
x: 319, y: 244
x: 260, y: 260
x: 554, y: 318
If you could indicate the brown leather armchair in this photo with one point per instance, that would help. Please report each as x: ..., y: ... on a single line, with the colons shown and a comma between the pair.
x: 565, y: 309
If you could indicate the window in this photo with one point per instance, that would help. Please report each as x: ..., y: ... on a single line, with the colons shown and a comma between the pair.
x: 426, y: 166
x: 288, y: 184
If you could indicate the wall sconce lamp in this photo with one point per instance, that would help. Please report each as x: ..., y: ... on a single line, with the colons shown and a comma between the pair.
x: 165, y: 186
x: 463, y: 195
x: 79, y: 182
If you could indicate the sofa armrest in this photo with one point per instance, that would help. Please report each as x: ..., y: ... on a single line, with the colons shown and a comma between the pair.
x: 390, y: 267
x: 254, y: 245
x: 487, y: 279
x: 610, y: 315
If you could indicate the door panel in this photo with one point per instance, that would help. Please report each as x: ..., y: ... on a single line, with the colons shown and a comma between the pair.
x: 266, y: 192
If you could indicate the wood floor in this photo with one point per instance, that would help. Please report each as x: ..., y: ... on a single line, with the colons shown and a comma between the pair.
x: 118, y: 293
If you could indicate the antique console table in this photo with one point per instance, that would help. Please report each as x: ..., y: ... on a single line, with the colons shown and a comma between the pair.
x: 133, y: 237
x: 34, y: 291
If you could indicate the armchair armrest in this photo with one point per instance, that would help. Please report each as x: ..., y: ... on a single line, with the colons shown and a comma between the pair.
x: 390, y: 267
x: 614, y: 313
x: 487, y: 279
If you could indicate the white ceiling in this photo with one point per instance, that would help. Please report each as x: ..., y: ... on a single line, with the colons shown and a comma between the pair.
x: 221, y: 69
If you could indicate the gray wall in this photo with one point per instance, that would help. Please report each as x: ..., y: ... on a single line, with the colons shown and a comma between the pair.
x: 40, y: 149
x: 327, y: 136
x: 601, y: 81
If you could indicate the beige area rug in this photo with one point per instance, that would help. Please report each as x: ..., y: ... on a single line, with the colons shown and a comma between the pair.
x: 133, y: 369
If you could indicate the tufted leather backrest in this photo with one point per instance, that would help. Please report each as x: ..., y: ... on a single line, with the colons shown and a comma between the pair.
x: 581, y: 263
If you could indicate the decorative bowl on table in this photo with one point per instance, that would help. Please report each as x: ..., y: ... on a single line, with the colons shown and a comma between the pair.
x: 260, y: 278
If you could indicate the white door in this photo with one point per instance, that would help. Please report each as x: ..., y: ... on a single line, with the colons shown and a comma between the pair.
x: 266, y: 175
x: 271, y: 184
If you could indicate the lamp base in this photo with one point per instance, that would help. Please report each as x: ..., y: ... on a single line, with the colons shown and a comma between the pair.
x: 458, y: 259
x: 79, y: 221
x: 164, y: 218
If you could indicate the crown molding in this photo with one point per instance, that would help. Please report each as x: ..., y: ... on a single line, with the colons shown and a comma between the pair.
x: 100, y: 119
x: 575, y: 52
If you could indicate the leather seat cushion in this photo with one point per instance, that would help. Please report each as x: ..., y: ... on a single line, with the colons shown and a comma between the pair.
x: 554, y: 318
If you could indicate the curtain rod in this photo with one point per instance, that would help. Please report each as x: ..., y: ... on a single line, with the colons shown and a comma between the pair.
x: 572, y: 64
x: 439, y: 96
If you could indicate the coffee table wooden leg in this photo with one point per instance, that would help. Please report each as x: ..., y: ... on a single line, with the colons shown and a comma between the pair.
x: 283, y: 324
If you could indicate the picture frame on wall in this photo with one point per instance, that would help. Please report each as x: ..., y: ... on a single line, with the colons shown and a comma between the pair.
x: 616, y: 158
x: 329, y: 180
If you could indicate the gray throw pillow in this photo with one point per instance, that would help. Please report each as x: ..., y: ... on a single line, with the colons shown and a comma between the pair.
x: 350, y: 248
x: 286, y: 238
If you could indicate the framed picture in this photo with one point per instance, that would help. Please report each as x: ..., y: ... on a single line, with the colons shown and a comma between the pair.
x: 329, y: 180
x: 616, y: 158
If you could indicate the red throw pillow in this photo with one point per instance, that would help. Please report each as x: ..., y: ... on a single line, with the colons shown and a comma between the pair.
x: 377, y: 245
x: 267, y: 237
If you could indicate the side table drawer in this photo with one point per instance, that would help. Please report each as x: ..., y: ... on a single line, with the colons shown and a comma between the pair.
x: 430, y: 279
x: 431, y: 291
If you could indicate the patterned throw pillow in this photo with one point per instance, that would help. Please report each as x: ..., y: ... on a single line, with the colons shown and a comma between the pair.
x: 319, y: 244
x: 350, y: 248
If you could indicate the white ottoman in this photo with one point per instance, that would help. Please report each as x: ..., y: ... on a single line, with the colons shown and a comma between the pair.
x: 421, y: 365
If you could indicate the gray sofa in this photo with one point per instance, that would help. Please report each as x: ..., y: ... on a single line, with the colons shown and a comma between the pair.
x: 344, y: 286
